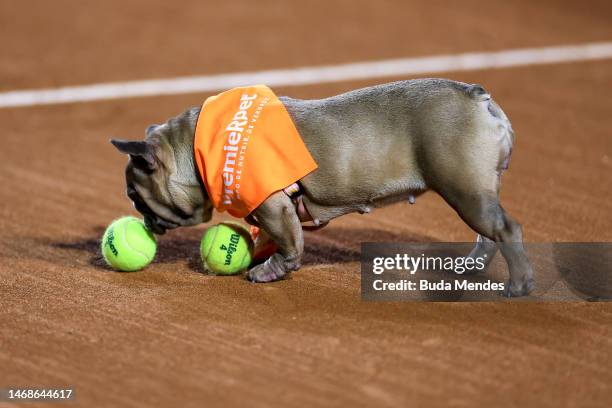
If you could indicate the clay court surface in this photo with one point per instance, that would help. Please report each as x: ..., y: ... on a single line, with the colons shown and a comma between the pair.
x: 173, y: 336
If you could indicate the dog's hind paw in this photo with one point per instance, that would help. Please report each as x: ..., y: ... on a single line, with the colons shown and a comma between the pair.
x: 517, y: 291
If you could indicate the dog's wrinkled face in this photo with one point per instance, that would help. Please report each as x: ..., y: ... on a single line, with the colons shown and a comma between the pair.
x: 165, y: 198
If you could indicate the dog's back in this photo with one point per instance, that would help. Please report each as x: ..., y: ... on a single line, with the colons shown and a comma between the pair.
x: 378, y: 144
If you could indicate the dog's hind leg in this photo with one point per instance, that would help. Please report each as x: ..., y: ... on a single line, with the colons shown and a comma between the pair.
x: 485, y: 249
x: 482, y: 211
x: 464, y: 166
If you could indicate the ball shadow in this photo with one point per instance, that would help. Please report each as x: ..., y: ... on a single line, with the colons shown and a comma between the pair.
x: 175, y: 246
x: 330, y: 245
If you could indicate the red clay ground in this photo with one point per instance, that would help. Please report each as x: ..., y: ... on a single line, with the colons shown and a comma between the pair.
x: 171, y: 336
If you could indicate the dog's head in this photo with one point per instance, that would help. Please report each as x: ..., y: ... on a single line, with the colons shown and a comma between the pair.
x: 162, y: 184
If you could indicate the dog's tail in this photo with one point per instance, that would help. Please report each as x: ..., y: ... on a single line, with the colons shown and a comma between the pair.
x: 492, y: 110
x: 477, y: 92
x: 507, y: 133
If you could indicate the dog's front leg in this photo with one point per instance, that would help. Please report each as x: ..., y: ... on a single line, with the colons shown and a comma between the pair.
x: 277, y: 216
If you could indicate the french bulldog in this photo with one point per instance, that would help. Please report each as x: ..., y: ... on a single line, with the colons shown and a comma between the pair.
x: 373, y: 146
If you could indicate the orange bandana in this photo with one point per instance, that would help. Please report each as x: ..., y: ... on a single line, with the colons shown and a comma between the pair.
x: 246, y: 148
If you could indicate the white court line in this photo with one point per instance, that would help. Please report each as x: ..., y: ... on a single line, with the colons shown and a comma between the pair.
x: 310, y: 75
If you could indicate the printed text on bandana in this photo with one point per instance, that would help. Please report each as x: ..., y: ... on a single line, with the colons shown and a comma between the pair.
x: 238, y: 132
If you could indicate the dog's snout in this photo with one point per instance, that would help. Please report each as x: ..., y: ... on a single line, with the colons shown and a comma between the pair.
x: 158, y: 225
x: 152, y: 225
x: 166, y: 224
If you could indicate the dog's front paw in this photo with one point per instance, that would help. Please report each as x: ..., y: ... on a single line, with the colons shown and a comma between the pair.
x: 523, y: 289
x: 268, y: 271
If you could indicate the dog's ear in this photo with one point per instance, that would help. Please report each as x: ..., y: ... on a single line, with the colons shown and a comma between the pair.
x: 141, y: 153
x: 150, y: 129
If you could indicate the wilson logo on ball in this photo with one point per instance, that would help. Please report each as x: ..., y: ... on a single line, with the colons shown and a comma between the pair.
x: 231, y: 248
x: 109, y: 242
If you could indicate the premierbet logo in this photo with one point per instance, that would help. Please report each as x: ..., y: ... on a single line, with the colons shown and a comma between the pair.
x: 234, y: 130
x: 231, y: 248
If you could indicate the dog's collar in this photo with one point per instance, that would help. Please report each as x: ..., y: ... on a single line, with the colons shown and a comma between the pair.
x: 295, y: 192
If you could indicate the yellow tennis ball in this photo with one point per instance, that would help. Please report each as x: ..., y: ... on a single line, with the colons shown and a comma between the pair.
x: 127, y: 245
x: 226, y: 249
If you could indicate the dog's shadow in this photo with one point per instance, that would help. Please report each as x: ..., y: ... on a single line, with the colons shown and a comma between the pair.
x: 343, y: 244
x: 331, y: 245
